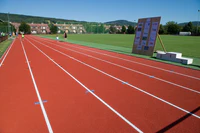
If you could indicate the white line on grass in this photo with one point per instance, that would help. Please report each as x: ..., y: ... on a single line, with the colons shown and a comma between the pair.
x: 128, y: 69
x: 173, y: 105
x: 4, y: 57
x: 131, y: 61
x: 122, y: 117
x: 37, y: 92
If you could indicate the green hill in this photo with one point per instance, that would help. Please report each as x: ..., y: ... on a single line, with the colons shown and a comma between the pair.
x: 35, y: 19
x: 194, y: 23
x: 38, y: 19
x: 121, y: 22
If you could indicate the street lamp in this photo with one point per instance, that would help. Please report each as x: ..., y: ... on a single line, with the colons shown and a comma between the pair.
x: 8, y: 23
x: 198, y: 21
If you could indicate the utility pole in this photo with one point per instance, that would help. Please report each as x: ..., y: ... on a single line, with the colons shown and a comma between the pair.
x: 8, y: 23
x: 90, y: 28
x: 198, y: 21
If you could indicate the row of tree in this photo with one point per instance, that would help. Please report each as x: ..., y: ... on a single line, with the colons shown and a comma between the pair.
x: 130, y: 30
x: 7, y: 27
x: 172, y: 27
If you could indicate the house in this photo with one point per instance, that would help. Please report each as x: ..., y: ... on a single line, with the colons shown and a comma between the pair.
x: 16, y: 25
x: 35, y: 28
x: 71, y: 28
x: 39, y: 28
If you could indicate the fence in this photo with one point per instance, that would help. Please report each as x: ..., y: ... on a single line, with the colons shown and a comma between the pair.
x: 3, y: 38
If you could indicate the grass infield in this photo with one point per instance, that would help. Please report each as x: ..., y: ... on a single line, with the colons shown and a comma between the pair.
x: 188, y: 45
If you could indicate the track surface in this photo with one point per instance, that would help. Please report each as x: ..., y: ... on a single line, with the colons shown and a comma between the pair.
x: 50, y: 86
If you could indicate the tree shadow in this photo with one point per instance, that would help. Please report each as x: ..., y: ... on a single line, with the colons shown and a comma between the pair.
x: 178, y: 121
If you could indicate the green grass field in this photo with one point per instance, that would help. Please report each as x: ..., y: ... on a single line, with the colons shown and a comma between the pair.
x: 4, y: 45
x: 189, y: 46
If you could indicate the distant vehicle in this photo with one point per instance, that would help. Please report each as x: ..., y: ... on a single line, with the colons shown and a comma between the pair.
x: 185, y: 33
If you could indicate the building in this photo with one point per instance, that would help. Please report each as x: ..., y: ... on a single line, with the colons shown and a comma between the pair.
x: 16, y: 25
x: 117, y: 27
x: 39, y: 28
x: 35, y: 28
x: 71, y: 28
x: 44, y: 28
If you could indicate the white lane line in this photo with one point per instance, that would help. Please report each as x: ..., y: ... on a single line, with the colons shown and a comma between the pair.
x: 132, y: 61
x: 122, y: 81
x: 101, y: 100
x: 139, y: 63
x: 4, y: 57
x: 168, y: 82
x: 37, y: 92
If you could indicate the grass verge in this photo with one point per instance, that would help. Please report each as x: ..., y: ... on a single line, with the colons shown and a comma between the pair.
x: 4, y: 45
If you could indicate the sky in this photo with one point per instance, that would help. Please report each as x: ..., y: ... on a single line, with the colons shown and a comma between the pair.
x: 106, y: 10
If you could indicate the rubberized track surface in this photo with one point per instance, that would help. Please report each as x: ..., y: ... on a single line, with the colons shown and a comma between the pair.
x: 50, y: 86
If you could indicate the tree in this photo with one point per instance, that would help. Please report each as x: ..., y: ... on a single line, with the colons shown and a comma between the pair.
x: 113, y: 30
x: 130, y: 30
x: 188, y: 27
x: 24, y: 27
x: 107, y: 31
x: 196, y: 31
x: 53, y: 29
x: 123, y: 29
x: 119, y: 32
x: 161, y: 29
x: 172, y: 27
x: 87, y: 27
x: 101, y: 28
x: 5, y: 27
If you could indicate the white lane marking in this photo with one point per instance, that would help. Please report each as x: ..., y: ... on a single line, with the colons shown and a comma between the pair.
x: 4, y: 57
x: 122, y: 81
x: 101, y: 100
x: 37, y: 92
x: 131, y: 61
x: 128, y: 69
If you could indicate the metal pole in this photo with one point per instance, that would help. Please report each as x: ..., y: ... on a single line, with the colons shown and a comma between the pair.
x: 97, y: 28
x: 103, y: 28
x: 8, y: 22
x: 198, y: 21
x: 90, y: 28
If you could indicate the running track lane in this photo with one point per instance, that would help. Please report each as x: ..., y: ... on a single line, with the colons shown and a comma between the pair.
x: 135, y: 109
x: 68, y: 106
x: 190, y: 83
x: 159, y: 65
x: 18, y: 112
x: 187, y: 100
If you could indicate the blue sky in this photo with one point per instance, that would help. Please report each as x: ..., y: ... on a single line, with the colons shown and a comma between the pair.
x: 106, y: 10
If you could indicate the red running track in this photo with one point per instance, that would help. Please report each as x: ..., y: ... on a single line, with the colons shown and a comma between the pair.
x: 144, y: 104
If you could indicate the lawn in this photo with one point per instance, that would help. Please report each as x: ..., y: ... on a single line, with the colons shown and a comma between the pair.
x: 189, y: 46
x: 4, y: 45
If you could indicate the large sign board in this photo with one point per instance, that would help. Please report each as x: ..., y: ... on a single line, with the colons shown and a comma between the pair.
x: 145, y: 36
